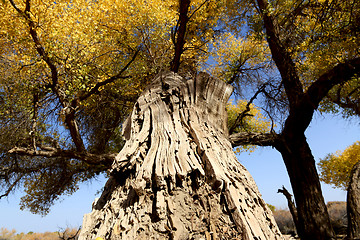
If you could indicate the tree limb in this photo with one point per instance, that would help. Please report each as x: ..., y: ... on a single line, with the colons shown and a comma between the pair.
x: 35, y: 37
x: 95, y: 89
x: 281, y: 57
x: 244, y: 113
x: 68, y: 108
x: 301, y: 115
x: 181, y: 31
x: 341, y: 73
x: 260, y: 139
x: 50, y: 152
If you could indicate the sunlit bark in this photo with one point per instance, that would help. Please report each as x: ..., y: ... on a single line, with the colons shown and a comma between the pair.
x: 177, y: 176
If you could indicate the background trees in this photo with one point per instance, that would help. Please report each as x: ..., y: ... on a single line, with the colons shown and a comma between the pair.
x: 63, y: 64
x: 342, y: 170
x: 303, y: 86
x: 336, y: 167
x: 67, y: 234
x: 70, y: 73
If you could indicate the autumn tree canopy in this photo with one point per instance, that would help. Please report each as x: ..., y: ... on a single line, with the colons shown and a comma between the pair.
x: 72, y: 70
x: 336, y: 167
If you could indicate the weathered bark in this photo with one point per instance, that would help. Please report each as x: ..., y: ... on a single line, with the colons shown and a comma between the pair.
x: 177, y: 176
x: 259, y: 139
x: 353, y: 204
x: 313, y: 218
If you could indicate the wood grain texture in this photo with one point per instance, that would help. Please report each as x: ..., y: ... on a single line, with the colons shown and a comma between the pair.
x: 177, y: 176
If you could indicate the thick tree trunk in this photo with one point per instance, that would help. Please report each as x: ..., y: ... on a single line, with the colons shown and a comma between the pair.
x: 177, y: 176
x: 353, y: 203
x: 313, y: 218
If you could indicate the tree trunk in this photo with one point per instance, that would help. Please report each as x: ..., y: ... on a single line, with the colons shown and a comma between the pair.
x: 353, y: 203
x: 313, y: 218
x: 177, y: 176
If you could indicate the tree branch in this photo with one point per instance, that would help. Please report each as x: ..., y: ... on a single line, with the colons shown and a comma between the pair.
x: 238, y: 69
x: 341, y: 73
x: 64, y: 235
x: 11, y: 187
x: 301, y: 116
x: 243, y: 114
x: 35, y: 37
x: 181, y: 31
x: 197, y: 9
x: 96, y: 88
x: 259, y: 139
x: 281, y: 57
x: 291, y: 205
x: 68, y: 108
x: 34, y: 119
x: 50, y: 152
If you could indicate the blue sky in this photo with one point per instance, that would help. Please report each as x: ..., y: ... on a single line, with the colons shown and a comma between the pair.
x: 325, y: 135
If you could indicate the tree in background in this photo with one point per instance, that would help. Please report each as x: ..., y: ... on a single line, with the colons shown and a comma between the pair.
x: 342, y: 169
x: 82, y: 65
x: 335, y: 168
x: 314, y: 47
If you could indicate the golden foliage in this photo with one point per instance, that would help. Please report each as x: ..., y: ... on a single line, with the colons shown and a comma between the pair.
x: 253, y: 121
x: 77, y: 45
x: 335, y: 168
x: 234, y: 54
x: 88, y: 42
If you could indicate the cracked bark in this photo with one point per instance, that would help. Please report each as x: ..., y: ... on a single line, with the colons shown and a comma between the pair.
x: 177, y: 176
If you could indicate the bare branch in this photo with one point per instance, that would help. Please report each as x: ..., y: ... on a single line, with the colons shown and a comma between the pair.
x: 64, y: 235
x: 94, y: 159
x: 238, y: 69
x: 11, y: 187
x: 244, y: 113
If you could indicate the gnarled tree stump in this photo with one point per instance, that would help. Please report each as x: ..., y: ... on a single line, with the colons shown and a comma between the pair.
x: 177, y: 176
